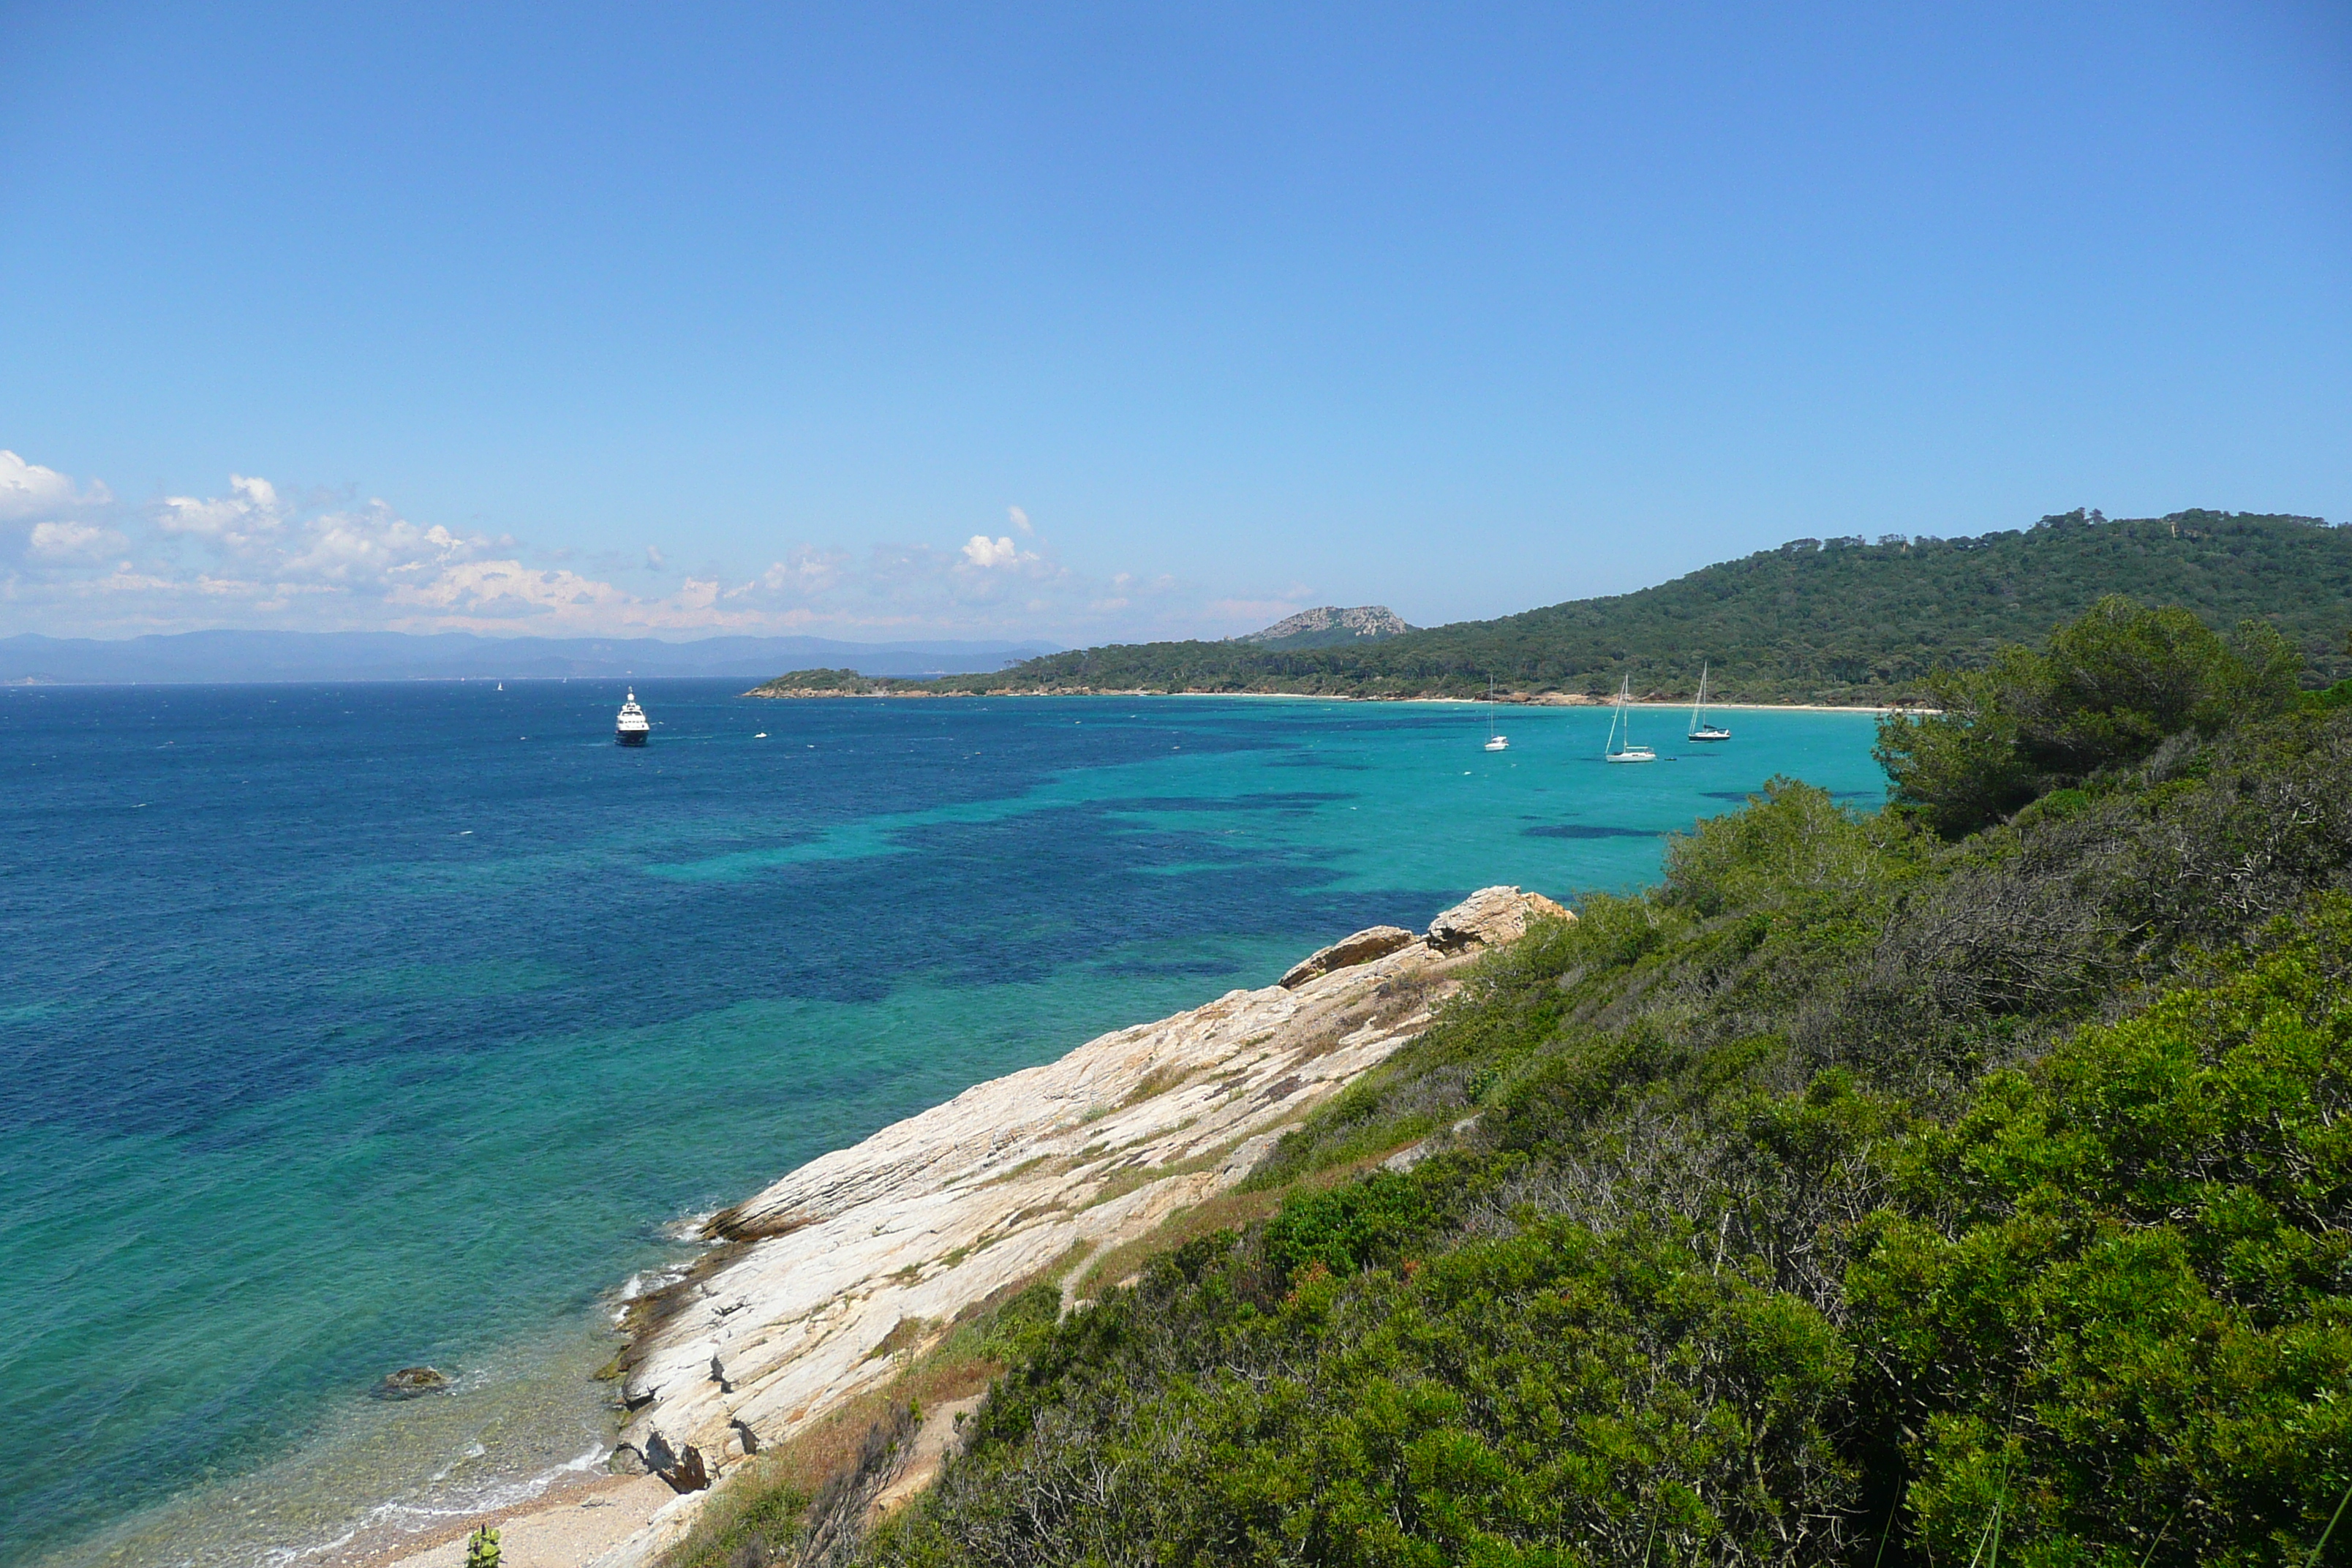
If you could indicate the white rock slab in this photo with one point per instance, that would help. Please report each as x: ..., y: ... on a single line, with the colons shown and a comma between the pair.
x: 938, y: 1212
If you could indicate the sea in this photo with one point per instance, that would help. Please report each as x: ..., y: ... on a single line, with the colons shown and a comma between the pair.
x: 355, y: 1028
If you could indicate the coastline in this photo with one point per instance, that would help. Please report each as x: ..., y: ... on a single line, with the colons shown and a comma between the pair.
x: 835, y: 1278
x: 779, y: 1076
x: 1501, y: 699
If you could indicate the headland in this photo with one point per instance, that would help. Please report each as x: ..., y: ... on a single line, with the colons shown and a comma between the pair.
x: 825, y: 1287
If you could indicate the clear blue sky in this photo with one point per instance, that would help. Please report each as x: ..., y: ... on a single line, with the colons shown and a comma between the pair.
x: 692, y: 318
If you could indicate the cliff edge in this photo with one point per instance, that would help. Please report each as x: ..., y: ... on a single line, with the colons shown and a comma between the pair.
x: 875, y: 1248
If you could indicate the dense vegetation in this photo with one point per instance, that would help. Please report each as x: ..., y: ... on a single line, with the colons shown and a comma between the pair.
x: 1885, y: 1188
x: 2109, y: 691
x: 1816, y: 620
x: 833, y: 683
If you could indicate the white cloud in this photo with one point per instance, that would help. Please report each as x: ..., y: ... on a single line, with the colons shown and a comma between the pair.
x: 72, y: 542
x: 806, y: 574
x: 506, y: 588
x: 74, y: 561
x: 244, y: 517
x: 985, y: 553
x: 31, y: 493
x: 369, y: 547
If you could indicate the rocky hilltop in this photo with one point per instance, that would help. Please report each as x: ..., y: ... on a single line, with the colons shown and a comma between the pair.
x: 1330, y: 623
x: 875, y: 1249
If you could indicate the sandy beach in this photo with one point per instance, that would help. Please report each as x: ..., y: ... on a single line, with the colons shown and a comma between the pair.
x: 1500, y: 699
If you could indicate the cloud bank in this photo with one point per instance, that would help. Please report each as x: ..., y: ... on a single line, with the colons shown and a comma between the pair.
x: 76, y: 561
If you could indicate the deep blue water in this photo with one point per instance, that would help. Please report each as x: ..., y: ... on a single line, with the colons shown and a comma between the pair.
x: 355, y: 1026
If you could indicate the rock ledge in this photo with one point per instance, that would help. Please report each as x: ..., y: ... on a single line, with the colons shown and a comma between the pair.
x: 835, y: 1261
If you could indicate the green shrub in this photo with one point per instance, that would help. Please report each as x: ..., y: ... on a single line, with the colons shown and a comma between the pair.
x: 1352, y: 1228
x: 2106, y: 691
x: 1557, y: 1397
x: 2119, y: 1281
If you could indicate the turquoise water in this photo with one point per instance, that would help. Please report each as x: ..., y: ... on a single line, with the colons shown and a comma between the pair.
x: 355, y: 1028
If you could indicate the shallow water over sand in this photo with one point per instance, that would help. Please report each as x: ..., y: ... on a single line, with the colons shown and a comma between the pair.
x: 355, y: 1028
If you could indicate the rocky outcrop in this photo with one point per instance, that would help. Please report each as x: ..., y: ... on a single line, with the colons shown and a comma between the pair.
x: 1376, y: 941
x: 689, y: 1474
x: 1331, y: 624
x: 861, y: 1257
x: 1489, y: 918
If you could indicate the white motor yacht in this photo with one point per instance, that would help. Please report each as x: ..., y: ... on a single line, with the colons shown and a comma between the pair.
x: 632, y: 728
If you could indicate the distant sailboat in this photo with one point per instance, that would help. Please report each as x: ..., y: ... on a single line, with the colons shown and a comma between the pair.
x: 1620, y: 747
x: 1496, y: 739
x: 502, y: 686
x: 1700, y: 728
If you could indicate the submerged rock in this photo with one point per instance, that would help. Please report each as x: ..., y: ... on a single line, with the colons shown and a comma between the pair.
x: 410, y: 1382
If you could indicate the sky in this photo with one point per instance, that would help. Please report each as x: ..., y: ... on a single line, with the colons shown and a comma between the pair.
x: 1097, y: 323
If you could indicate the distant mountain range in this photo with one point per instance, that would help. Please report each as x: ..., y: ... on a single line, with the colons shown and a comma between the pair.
x: 1818, y: 620
x: 234, y: 656
x: 1329, y: 625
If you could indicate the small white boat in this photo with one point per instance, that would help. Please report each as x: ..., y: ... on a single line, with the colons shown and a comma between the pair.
x: 1620, y: 747
x: 761, y: 736
x: 502, y: 686
x: 1496, y: 739
x: 1700, y: 728
x: 632, y: 727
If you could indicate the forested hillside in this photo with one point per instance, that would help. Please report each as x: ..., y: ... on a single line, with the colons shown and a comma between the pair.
x: 1833, y: 620
x: 1969, y: 1181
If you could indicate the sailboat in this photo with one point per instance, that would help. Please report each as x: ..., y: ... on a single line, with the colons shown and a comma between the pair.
x: 1620, y: 747
x: 1700, y: 728
x: 1496, y: 739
